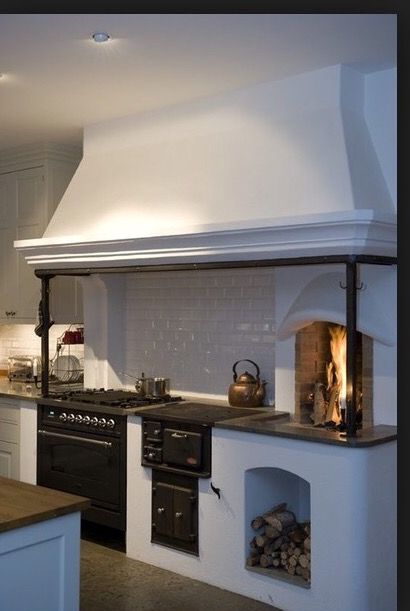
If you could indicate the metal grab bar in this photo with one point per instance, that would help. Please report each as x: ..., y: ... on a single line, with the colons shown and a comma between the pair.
x: 106, y: 444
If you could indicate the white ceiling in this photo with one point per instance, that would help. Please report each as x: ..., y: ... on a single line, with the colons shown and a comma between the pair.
x: 56, y: 80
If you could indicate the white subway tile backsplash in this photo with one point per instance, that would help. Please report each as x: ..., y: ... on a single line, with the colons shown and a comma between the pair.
x: 192, y: 326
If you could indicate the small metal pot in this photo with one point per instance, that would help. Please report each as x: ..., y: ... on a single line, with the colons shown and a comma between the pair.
x: 160, y: 387
x: 144, y: 386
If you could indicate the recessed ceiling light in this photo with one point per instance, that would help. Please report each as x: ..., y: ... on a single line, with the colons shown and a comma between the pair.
x: 101, y: 37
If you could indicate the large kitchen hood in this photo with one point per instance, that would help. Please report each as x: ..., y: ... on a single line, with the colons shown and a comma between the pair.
x: 280, y: 169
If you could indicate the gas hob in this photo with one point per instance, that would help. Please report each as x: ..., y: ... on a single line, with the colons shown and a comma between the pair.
x: 119, y: 398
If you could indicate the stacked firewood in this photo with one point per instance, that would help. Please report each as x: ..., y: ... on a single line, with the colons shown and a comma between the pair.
x: 281, y: 542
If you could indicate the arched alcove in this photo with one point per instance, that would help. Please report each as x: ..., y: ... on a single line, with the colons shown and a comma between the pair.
x: 265, y: 488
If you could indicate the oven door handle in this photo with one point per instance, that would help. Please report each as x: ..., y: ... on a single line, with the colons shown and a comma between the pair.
x: 106, y: 444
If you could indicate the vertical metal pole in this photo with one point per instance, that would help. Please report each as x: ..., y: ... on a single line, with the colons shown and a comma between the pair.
x: 351, y: 347
x: 45, y: 305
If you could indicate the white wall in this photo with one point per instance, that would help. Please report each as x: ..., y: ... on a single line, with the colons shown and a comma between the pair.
x: 380, y: 106
x: 272, y: 150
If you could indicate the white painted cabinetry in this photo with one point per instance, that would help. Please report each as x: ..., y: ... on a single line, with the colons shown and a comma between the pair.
x: 32, y: 182
x: 9, y: 438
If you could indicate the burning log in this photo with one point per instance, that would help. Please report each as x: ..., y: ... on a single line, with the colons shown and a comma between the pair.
x: 333, y: 413
x: 319, y: 404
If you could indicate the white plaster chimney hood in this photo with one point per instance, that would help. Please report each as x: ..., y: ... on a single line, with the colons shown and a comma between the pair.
x: 280, y: 169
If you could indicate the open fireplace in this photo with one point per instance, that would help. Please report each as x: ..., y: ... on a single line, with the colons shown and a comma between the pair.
x: 320, y: 376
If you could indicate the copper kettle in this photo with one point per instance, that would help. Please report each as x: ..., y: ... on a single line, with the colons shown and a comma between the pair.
x: 246, y: 390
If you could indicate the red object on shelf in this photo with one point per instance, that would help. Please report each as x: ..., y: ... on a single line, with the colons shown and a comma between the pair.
x: 73, y: 337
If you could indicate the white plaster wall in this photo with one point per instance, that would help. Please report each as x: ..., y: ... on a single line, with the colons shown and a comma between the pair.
x: 271, y: 150
x: 380, y: 106
x: 352, y: 492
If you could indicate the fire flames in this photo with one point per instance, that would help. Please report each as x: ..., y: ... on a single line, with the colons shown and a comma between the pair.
x: 329, y: 400
x: 336, y: 373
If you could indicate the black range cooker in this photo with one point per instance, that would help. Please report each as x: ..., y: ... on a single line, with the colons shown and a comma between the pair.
x: 82, y: 447
x: 176, y: 443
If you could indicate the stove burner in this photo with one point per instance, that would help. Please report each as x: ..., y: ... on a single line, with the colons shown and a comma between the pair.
x: 113, y: 398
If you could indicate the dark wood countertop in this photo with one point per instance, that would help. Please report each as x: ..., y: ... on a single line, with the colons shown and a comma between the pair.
x: 23, y: 504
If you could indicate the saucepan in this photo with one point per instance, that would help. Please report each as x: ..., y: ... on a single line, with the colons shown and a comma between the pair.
x: 160, y: 387
x: 153, y: 387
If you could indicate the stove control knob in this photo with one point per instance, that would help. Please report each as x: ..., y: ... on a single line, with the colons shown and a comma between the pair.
x: 151, y: 455
x: 86, y: 420
x: 79, y: 418
x: 102, y: 423
x: 70, y: 417
x: 63, y: 417
x: 94, y: 421
x: 110, y: 423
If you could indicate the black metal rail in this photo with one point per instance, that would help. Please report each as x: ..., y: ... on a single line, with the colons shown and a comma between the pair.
x: 351, y: 262
x: 162, y: 267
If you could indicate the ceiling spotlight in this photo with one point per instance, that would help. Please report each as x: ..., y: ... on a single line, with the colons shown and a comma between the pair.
x: 101, y: 37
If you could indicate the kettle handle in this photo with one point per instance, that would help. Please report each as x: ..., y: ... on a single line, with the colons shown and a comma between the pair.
x: 235, y: 375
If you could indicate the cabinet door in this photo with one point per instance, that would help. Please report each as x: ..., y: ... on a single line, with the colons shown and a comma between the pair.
x: 30, y: 223
x: 66, y: 300
x: 162, y: 518
x: 184, y: 499
x: 8, y: 256
x: 22, y: 215
x: 9, y: 460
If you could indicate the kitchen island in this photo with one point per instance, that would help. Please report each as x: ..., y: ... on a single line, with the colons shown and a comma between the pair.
x: 39, y: 547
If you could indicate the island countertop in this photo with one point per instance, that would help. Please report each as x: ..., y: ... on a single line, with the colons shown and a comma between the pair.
x: 22, y: 504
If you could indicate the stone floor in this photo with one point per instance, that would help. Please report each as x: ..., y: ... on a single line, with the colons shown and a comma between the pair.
x: 112, y: 582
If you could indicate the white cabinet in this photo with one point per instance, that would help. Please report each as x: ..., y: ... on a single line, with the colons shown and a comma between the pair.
x: 23, y: 216
x: 9, y: 438
x: 32, y: 182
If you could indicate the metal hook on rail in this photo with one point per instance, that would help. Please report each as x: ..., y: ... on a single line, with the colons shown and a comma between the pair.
x: 360, y: 287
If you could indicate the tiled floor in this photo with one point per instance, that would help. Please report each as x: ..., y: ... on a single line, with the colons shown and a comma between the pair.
x: 112, y: 582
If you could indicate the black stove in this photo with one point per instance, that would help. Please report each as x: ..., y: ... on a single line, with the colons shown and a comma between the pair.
x: 198, y: 413
x: 124, y: 399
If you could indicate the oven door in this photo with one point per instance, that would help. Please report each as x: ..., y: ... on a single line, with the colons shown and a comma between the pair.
x: 182, y: 448
x: 79, y: 463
